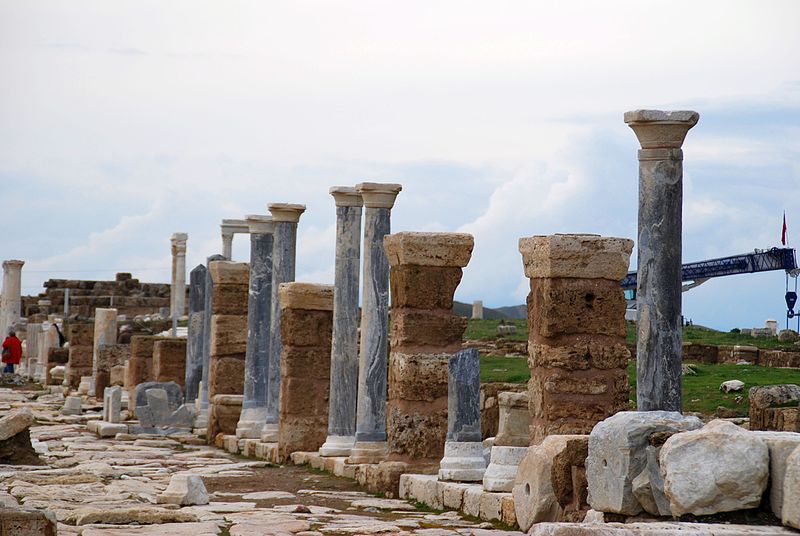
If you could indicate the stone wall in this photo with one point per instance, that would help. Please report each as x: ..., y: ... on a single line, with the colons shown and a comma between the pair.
x: 81, y: 348
x: 140, y: 364
x: 108, y: 357
x: 169, y: 360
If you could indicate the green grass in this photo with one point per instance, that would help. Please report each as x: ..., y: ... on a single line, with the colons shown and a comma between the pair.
x: 700, y: 392
x: 487, y: 329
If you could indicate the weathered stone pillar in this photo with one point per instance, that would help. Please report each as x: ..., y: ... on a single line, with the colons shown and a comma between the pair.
x: 370, y: 445
x: 228, y: 342
x: 306, y: 329
x: 108, y: 357
x: 658, y: 287
x: 284, y: 217
x: 511, y: 442
x: 254, y: 404
x: 201, y: 422
x: 177, y: 293
x: 463, y: 451
x: 426, y: 269
x: 194, y: 338
x: 576, y: 331
x: 81, y: 347
x: 33, y: 330
x: 230, y: 228
x: 10, y: 300
x: 344, y: 349
x: 48, y: 339
x: 477, y: 310
x: 105, y: 333
x: 140, y: 365
x: 169, y: 360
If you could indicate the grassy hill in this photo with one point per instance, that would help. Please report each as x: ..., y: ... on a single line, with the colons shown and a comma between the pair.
x: 512, y: 312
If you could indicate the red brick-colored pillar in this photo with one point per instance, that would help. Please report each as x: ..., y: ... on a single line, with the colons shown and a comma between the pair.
x: 169, y: 360
x: 140, y: 364
x: 576, y: 331
x: 81, y: 347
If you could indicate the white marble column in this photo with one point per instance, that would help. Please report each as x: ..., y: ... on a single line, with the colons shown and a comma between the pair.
x: 285, y: 217
x: 371, y: 445
x: 344, y: 348
x: 11, y: 301
x: 177, y: 294
x: 105, y: 333
x: 228, y: 228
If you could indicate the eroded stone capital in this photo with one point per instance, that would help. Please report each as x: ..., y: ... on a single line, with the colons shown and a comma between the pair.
x: 580, y: 256
x: 12, y: 264
x: 286, y: 212
x: 229, y: 227
x: 428, y: 249
x: 346, y: 196
x: 259, y: 224
x: 378, y: 194
x: 178, y: 241
x: 657, y: 129
x: 308, y: 296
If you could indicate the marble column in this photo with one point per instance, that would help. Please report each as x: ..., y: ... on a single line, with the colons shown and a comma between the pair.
x: 511, y: 442
x: 229, y: 228
x: 194, y: 342
x: 177, y: 292
x: 371, y: 445
x: 658, y: 288
x: 285, y: 217
x: 33, y: 331
x: 344, y: 349
x: 259, y: 303
x: 463, y: 451
x: 105, y: 333
x: 11, y: 301
x: 201, y: 421
x: 477, y: 310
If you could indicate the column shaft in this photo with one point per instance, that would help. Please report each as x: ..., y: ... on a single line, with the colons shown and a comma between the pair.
x: 194, y: 343
x: 178, y: 288
x: 11, y: 300
x: 105, y: 333
x: 207, y: 294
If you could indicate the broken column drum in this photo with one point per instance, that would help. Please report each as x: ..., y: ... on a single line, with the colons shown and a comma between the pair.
x: 202, y: 396
x: 259, y: 303
x: 658, y: 286
x: 576, y: 331
x: 511, y: 443
x: 105, y: 333
x: 344, y: 349
x: 370, y: 445
x: 194, y: 342
x: 285, y: 217
x: 178, y: 289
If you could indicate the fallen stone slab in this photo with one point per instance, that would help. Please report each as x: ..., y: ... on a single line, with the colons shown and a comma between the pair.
x: 655, y: 529
x: 27, y: 522
x: 15, y: 439
x: 184, y: 490
x: 144, y: 515
x: 206, y: 528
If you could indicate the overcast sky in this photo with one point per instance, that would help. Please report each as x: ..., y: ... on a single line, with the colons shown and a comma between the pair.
x: 123, y: 122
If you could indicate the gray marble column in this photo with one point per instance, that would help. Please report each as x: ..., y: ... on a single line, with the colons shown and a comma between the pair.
x: 259, y: 303
x: 370, y: 445
x: 11, y: 300
x: 228, y: 228
x: 658, y: 289
x: 194, y: 342
x: 344, y: 349
x: 105, y: 333
x: 178, y: 289
x: 284, y: 217
x: 201, y: 422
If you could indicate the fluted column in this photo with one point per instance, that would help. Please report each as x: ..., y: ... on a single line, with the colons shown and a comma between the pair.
x: 254, y: 405
x: 178, y: 289
x: 194, y: 342
x: 285, y: 217
x: 11, y: 301
x: 371, y: 445
x: 344, y: 349
x: 658, y: 288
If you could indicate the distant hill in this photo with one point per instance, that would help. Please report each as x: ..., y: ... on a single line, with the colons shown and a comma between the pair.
x: 501, y: 313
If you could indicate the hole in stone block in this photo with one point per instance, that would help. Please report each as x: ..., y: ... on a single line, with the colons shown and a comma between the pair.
x: 527, y: 489
x: 589, y: 298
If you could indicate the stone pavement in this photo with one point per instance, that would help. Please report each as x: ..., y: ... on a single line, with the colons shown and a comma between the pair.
x: 109, y: 487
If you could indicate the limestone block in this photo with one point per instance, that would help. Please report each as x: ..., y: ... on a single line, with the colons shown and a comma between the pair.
x: 762, y: 399
x: 462, y: 462
x: 80, y: 356
x: 731, y: 385
x: 514, y: 420
x: 109, y: 429
x: 491, y: 506
x: 655, y: 529
x: 417, y: 434
x: 581, y: 355
x: 428, y: 249
x: 617, y: 455
x: 790, y: 511
x: 27, y: 522
x: 169, y: 360
x: 306, y: 327
x: 229, y: 300
x: 172, y: 389
x: 579, y: 256
x: 229, y: 273
x: 780, y: 445
x: 72, y: 406
x: 429, y: 287
x: 306, y: 296
x: 228, y: 335
x: 224, y: 415
x: 226, y: 375
x: 419, y: 377
x: 423, y: 488
x: 719, y: 468
x: 15, y: 422
x: 502, y: 469
x: 80, y: 334
x: 117, y: 375
x: 472, y: 501
x: 418, y: 330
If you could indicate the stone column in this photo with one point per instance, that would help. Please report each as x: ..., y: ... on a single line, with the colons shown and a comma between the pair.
x: 11, y: 301
x: 576, y: 331
x: 202, y: 397
x: 230, y: 228
x: 477, y: 310
x: 463, y: 451
x: 254, y: 404
x: 658, y: 286
x: 511, y: 442
x: 194, y: 338
x: 426, y: 269
x: 140, y: 365
x: 177, y: 293
x: 105, y: 333
x: 370, y: 445
x: 344, y: 350
x: 169, y: 360
x: 33, y: 330
x: 306, y: 329
x: 81, y: 347
x: 284, y: 217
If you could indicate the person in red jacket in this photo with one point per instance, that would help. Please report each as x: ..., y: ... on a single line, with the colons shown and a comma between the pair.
x: 12, y: 351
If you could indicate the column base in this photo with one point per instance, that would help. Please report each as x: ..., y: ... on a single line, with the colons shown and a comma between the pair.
x: 269, y: 433
x: 337, y: 446
x: 201, y: 419
x: 251, y: 423
x: 462, y: 462
x: 502, y: 468
x: 368, y: 452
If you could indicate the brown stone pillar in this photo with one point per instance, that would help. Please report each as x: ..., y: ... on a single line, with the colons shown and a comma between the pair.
x: 306, y: 332
x: 425, y: 269
x: 169, y: 360
x: 576, y: 331
x: 228, y: 343
x: 81, y: 348
x: 108, y: 357
x: 140, y: 364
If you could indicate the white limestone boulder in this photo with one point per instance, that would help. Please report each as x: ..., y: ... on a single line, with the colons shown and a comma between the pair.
x: 780, y: 445
x: 618, y: 454
x: 790, y: 512
x: 731, y: 386
x: 15, y: 422
x: 184, y: 490
x: 719, y: 468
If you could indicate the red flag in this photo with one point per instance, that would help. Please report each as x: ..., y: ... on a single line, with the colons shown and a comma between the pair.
x: 783, y: 231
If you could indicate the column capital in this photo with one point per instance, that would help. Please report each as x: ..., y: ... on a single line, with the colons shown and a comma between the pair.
x: 286, y: 212
x: 346, y: 196
x: 179, y: 243
x: 576, y: 256
x: 259, y: 224
x: 230, y: 227
x: 657, y: 129
x: 428, y: 249
x: 378, y: 194
x: 12, y: 264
